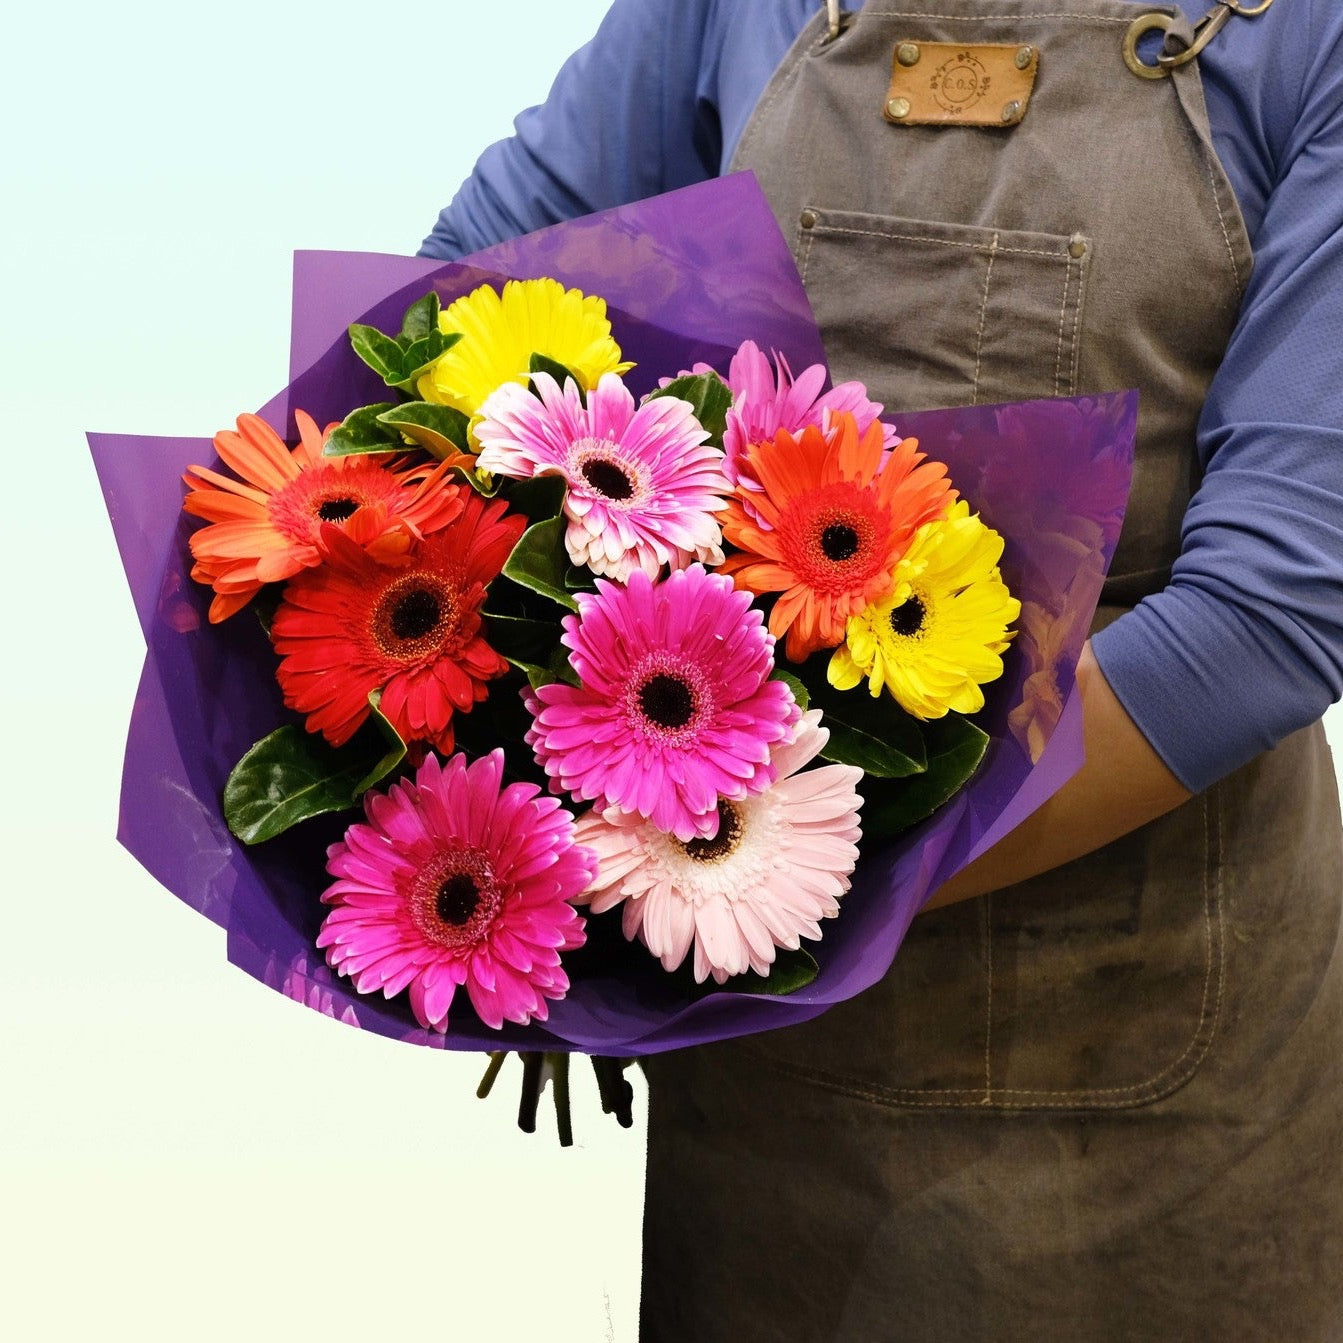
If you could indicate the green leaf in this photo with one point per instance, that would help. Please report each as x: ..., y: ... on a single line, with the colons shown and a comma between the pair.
x: 536, y: 675
x: 560, y: 668
x: 849, y: 745
x: 421, y: 318
x: 439, y: 430
x: 710, y: 397
x: 792, y: 970
x: 361, y: 432
x: 266, y: 603
x: 875, y: 734
x: 539, y: 561
x: 579, y: 580
x: 420, y: 356
x: 395, y: 749
x: 800, y: 692
x: 518, y: 638
x: 381, y: 353
x: 540, y: 498
x: 293, y: 775
x: 540, y: 363
x: 955, y: 748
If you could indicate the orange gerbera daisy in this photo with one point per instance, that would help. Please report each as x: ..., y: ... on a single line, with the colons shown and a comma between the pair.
x: 832, y: 523
x: 268, y: 526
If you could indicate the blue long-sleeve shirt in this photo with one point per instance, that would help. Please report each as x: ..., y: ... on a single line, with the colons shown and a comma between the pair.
x: 1245, y: 644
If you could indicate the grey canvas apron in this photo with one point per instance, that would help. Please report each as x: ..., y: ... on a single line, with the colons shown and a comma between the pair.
x: 1105, y: 1103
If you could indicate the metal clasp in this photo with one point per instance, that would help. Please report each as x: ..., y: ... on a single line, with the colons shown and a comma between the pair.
x: 1205, y: 30
x: 832, y: 18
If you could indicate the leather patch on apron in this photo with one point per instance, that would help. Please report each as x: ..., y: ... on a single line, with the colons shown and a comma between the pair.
x: 954, y: 84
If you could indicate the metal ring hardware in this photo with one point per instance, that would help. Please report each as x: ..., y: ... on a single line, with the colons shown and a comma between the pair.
x: 1138, y: 29
x: 1205, y: 30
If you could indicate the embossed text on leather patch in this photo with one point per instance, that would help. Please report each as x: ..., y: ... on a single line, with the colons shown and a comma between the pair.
x: 955, y: 84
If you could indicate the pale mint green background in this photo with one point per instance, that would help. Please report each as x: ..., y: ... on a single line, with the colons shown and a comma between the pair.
x: 169, y: 1129
x: 184, y: 1155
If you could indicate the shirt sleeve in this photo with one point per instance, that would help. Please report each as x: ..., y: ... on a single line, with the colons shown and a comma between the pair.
x: 616, y: 127
x: 1245, y: 645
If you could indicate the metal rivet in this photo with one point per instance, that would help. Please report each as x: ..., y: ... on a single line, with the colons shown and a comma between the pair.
x: 1077, y: 246
x: 897, y: 108
x: 907, y: 53
x: 1012, y: 111
x: 808, y: 218
x: 1023, y: 57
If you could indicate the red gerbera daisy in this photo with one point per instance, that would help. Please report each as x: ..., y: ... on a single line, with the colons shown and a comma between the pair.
x: 407, y: 625
x: 268, y: 526
x: 833, y: 521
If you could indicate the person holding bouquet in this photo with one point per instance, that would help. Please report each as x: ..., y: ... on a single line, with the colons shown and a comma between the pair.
x: 1101, y: 1090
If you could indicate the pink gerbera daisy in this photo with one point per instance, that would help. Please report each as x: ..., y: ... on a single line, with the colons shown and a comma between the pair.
x: 676, y: 708
x: 777, y: 866
x: 765, y: 401
x: 457, y: 881
x: 643, y: 484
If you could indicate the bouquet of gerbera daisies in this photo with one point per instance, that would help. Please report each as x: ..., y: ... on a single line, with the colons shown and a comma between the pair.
x: 583, y: 602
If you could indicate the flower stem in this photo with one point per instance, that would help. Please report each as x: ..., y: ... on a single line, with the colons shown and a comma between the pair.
x: 497, y: 1057
x: 532, y: 1061
x: 559, y: 1064
x: 616, y: 1093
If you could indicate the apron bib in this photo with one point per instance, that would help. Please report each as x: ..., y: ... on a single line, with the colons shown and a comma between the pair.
x: 1079, y: 1101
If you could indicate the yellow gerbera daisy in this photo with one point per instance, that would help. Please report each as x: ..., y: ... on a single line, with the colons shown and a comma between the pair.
x: 941, y: 633
x: 500, y: 335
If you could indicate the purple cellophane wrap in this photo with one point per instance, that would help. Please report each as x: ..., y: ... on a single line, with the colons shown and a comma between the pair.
x: 687, y: 277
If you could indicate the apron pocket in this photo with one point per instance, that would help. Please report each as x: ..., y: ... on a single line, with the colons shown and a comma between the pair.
x: 1095, y: 986
x: 968, y: 315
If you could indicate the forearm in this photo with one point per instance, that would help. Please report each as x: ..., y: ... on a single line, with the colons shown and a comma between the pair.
x: 1122, y: 785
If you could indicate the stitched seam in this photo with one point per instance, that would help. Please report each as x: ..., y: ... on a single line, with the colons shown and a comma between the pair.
x: 989, y: 18
x: 806, y: 253
x: 1160, y: 1084
x: 950, y: 1099
x: 1221, y: 223
x: 1063, y: 312
x: 983, y: 312
x: 991, y: 247
x: 1077, y: 319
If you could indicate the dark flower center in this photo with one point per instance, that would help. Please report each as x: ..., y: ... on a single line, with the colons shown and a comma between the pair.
x: 907, y: 618
x: 608, y: 479
x: 457, y: 899
x: 839, y: 541
x: 415, y: 614
x: 666, y: 701
x: 723, y: 843
x: 337, y: 510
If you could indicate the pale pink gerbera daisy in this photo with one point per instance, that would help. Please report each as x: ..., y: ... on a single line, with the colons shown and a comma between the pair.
x: 643, y: 484
x: 777, y: 866
x: 457, y: 881
x: 763, y: 402
x: 676, y: 707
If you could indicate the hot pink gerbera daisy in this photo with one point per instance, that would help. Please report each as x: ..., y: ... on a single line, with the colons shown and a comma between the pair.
x: 407, y: 624
x: 643, y: 485
x: 457, y: 881
x: 777, y: 866
x: 676, y: 708
x: 765, y: 400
